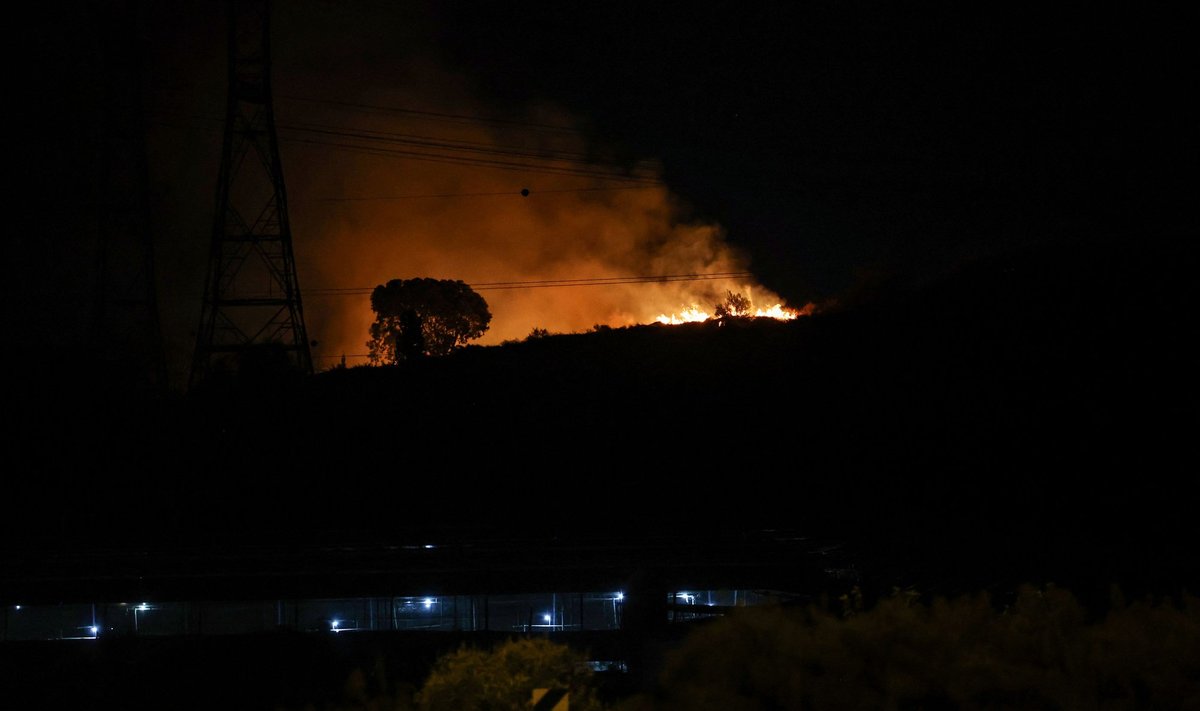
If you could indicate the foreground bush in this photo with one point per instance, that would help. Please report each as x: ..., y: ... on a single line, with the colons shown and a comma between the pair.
x: 501, y: 679
x: 1041, y: 652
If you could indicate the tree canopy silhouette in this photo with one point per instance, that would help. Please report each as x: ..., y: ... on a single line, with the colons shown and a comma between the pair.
x: 734, y: 305
x: 473, y: 679
x: 424, y: 317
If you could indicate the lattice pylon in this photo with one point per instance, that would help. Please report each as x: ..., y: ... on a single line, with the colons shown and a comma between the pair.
x: 126, y: 334
x: 251, y: 294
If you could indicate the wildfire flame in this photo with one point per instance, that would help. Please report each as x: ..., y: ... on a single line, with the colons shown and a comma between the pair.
x: 785, y: 314
x: 692, y: 315
x: 696, y: 315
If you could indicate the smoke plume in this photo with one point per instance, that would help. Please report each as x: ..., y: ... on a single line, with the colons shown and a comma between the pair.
x: 396, y: 168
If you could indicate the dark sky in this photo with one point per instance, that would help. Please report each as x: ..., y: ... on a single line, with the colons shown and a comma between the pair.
x: 814, y: 144
x: 839, y: 136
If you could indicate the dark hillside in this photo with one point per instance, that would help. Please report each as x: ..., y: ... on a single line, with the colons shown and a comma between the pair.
x: 1022, y: 415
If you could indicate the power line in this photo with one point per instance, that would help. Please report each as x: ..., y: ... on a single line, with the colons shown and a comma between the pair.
x: 615, y: 280
x: 494, y: 193
x: 432, y: 142
x: 477, y: 162
x: 507, y: 193
x: 436, y: 150
x: 438, y: 116
x: 554, y: 283
x: 426, y: 142
x: 431, y: 116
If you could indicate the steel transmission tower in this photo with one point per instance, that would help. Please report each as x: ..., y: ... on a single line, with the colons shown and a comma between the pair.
x: 251, y: 293
x: 126, y: 334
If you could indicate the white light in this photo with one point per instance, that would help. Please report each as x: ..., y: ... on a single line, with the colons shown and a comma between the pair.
x: 94, y: 629
x: 18, y: 607
x: 546, y: 617
x: 428, y: 546
x: 334, y: 624
x: 428, y: 602
x: 143, y: 607
x: 620, y: 596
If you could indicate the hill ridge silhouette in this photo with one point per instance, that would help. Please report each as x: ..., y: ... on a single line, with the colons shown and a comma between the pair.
x: 1023, y: 411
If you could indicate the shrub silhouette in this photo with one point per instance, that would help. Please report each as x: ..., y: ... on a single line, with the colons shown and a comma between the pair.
x: 503, y: 678
x: 1040, y: 652
x: 424, y: 317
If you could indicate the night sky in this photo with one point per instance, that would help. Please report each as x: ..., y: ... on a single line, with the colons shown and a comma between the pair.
x: 817, y: 146
x: 833, y: 139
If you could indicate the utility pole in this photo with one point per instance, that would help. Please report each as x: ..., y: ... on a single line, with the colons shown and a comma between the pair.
x: 251, y: 293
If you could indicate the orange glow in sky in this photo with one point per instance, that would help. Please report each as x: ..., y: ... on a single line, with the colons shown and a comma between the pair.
x: 365, y: 218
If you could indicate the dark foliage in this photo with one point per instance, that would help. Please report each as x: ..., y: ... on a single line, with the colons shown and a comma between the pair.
x: 424, y: 317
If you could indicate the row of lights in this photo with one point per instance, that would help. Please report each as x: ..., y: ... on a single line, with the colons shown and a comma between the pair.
x: 336, y: 625
x: 94, y: 630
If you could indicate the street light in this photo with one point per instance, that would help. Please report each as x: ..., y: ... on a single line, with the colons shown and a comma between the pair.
x: 618, y: 598
x: 140, y: 608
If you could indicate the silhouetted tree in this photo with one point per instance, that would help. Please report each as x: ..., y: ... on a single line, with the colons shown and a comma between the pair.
x: 733, y: 305
x: 412, y: 339
x: 419, y: 317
